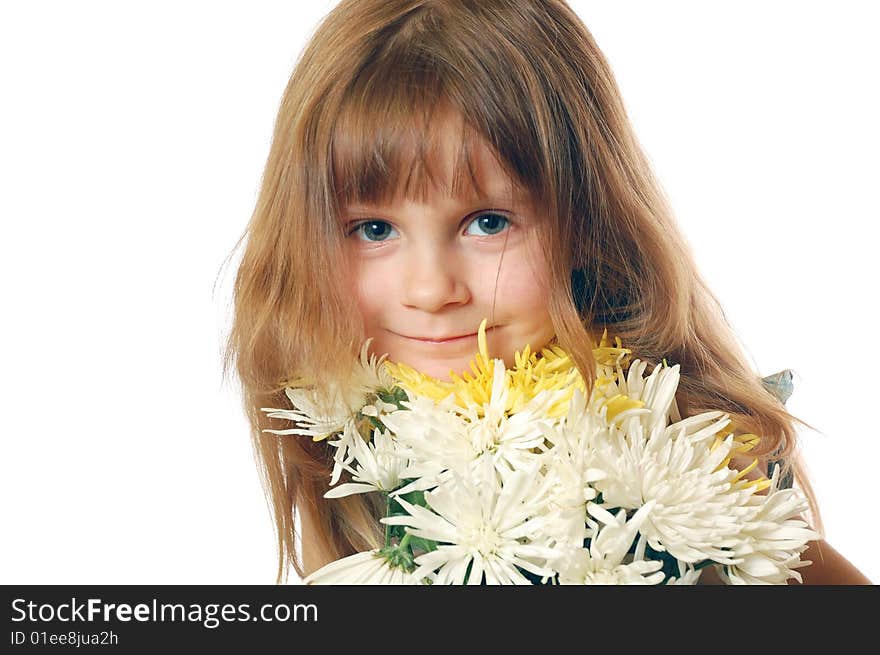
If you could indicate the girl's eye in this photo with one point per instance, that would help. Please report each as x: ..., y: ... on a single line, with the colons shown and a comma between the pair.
x: 373, y: 230
x: 491, y: 223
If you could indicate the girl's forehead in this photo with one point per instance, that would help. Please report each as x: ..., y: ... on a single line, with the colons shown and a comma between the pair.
x: 414, y: 162
x: 490, y: 184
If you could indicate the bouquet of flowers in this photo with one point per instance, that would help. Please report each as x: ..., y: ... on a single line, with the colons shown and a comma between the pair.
x: 518, y: 477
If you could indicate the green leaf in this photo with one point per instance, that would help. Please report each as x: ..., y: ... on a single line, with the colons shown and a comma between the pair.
x: 415, y: 498
x: 395, y: 396
x: 467, y: 573
x: 395, y: 508
x: 421, y: 544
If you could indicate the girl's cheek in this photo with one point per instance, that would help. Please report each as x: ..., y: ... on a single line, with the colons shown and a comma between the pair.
x: 373, y: 286
x: 527, y: 274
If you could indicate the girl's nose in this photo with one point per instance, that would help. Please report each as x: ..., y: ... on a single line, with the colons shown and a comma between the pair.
x: 432, y: 280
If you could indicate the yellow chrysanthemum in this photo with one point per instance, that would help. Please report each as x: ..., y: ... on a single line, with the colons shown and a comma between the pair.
x: 742, y: 443
x: 532, y: 374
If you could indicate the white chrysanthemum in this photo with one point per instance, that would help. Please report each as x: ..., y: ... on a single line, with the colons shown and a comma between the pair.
x: 321, y: 416
x: 700, y: 508
x: 366, y: 568
x: 439, y: 437
x: 568, y: 467
x: 377, y: 465
x: 433, y: 438
x: 603, y: 562
x: 774, y: 539
x: 491, y: 528
x: 652, y: 390
x: 688, y: 575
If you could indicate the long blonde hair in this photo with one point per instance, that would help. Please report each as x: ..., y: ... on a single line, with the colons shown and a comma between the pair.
x: 528, y: 79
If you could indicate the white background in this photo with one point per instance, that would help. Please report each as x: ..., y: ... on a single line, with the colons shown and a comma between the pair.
x: 132, y: 141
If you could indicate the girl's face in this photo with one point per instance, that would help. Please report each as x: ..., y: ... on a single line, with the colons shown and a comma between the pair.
x: 426, y: 274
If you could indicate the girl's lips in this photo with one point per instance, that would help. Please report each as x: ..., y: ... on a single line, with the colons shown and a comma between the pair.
x: 460, y: 339
x: 452, y: 340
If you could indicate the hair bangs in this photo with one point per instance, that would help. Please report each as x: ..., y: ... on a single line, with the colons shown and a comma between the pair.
x: 389, y: 153
x: 384, y: 145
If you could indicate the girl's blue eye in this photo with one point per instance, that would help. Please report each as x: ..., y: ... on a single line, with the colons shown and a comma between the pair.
x: 491, y: 223
x: 371, y: 229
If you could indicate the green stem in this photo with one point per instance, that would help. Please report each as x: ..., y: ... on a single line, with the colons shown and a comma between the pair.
x: 387, y: 513
x: 405, y: 541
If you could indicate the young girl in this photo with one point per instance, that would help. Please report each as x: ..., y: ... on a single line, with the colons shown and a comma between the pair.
x: 435, y: 163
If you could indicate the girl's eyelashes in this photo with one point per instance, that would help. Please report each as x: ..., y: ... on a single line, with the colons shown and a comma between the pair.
x: 376, y: 231
x: 491, y: 222
x: 371, y: 229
